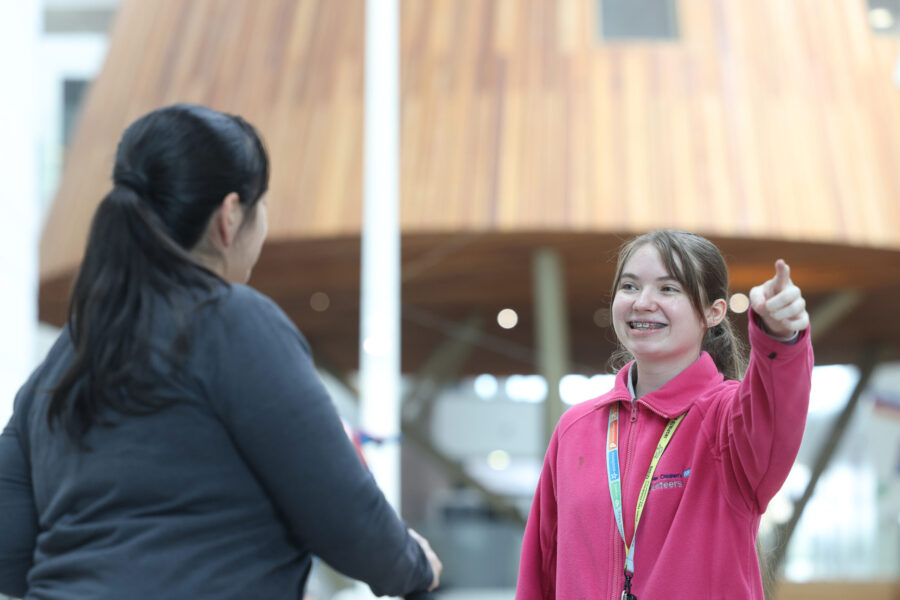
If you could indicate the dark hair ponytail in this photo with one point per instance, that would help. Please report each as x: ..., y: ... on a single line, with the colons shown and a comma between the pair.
x: 173, y: 168
x: 698, y: 266
x: 726, y: 349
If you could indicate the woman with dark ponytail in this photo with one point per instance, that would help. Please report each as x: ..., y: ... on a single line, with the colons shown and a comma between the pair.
x: 681, y: 379
x: 176, y: 441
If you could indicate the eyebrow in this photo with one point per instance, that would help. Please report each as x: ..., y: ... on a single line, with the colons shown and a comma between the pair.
x: 664, y: 278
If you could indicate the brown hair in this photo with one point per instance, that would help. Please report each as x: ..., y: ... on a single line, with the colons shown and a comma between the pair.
x: 699, y: 267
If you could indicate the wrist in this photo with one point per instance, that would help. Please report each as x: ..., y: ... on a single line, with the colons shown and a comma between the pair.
x: 788, y: 336
x: 791, y: 339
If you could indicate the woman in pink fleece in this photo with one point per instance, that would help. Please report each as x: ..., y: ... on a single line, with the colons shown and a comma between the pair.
x: 683, y: 449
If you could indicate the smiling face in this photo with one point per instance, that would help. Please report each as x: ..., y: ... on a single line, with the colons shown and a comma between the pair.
x: 652, y: 314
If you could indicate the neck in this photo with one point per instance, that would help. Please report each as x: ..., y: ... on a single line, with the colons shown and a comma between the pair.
x: 653, y: 375
x: 209, y: 258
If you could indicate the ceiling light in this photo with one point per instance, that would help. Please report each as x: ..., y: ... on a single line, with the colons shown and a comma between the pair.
x: 881, y: 18
x: 739, y: 303
x: 319, y: 301
x: 507, y: 318
x: 499, y: 460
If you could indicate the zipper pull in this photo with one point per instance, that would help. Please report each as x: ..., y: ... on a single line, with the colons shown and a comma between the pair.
x: 626, y: 593
x: 634, y: 411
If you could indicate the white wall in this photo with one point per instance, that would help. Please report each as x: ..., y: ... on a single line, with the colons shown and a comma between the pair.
x: 34, y: 67
x: 20, y: 27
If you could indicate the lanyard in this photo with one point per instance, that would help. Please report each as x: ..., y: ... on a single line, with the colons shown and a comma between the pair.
x: 615, y: 483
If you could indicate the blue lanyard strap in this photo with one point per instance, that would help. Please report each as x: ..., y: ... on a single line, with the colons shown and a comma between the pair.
x: 615, y: 481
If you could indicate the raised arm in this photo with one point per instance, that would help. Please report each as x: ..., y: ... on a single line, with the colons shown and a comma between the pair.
x: 762, y: 426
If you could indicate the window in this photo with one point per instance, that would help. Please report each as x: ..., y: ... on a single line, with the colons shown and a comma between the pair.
x: 73, y: 95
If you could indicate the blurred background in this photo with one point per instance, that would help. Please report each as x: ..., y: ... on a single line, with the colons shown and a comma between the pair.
x: 535, y: 137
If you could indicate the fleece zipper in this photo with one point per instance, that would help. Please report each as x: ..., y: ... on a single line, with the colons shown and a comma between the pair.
x: 620, y: 565
x: 618, y: 544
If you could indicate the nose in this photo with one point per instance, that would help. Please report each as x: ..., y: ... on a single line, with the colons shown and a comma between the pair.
x: 645, y: 300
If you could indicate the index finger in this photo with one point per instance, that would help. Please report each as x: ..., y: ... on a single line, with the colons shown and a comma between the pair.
x: 782, y: 275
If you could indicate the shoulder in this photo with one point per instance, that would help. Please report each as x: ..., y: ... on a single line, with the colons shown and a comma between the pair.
x: 242, y: 304
x: 716, y: 396
x: 241, y: 313
x: 45, y: 376
x: 582, y: 415
x: 241, y: 300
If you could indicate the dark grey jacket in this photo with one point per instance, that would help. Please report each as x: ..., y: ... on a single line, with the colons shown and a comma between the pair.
x: 225, y: 494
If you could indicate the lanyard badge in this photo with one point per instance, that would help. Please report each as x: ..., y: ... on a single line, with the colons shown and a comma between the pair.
x: 615, y: 485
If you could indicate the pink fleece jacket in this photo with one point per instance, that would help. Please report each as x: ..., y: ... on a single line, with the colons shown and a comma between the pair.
x: 697, y: 533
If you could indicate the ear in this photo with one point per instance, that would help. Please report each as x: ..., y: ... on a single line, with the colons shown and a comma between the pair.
x: 716, y: 313
x: 228, y: 218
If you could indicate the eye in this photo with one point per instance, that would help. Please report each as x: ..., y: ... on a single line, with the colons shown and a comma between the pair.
x: 627, y: 286
x: 670, y: 289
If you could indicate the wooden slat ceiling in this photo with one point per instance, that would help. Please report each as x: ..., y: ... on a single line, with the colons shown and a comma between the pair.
x: 772, y: 127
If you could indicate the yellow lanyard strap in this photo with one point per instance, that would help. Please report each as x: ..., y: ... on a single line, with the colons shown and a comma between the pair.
x: 615, y: 483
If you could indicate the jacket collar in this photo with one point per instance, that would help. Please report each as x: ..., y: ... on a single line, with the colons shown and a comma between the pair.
x: 676, y: 396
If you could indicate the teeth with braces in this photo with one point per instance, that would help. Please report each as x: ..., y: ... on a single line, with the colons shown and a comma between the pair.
x: 645, y: 325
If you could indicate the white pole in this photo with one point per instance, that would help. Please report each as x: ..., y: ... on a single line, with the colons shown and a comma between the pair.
x: 897, y: 72
x: 20, y: 24
x: 380, y: 285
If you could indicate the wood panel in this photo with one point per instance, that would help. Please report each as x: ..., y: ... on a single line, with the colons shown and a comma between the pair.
x: 767, y: 119
x: 448, y: 277
x: 291, y: 67
x: 761, y: 121
x: 770, y: 126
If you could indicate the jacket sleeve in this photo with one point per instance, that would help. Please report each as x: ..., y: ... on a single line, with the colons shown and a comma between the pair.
x: 760, y: 430
x: 18, y: 515
x: 537, y: 566
x: 268, y: 394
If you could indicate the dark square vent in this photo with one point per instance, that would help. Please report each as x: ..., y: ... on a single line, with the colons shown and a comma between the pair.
x: 638, y: 19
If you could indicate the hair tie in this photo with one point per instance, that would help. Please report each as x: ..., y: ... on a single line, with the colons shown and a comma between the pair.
x: 133, y: 181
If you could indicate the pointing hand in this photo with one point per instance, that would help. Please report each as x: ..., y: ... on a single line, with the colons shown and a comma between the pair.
x: 779, y: 303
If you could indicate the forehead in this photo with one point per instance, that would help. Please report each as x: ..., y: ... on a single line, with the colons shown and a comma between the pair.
x: 647, y: 257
